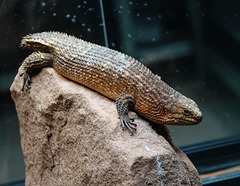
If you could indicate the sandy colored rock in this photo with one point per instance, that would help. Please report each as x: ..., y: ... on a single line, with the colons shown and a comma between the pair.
x: 71, y: 135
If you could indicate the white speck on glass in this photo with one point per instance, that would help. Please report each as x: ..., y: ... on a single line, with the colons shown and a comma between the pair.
x: 113, y: 44
x: 129, y: 35
x: 149, y: 18
x: 43, y: 3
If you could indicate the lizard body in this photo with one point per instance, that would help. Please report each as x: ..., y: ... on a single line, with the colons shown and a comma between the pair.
x: 113, y: 74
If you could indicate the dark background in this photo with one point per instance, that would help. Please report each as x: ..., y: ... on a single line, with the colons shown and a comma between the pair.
x: 193, y: 45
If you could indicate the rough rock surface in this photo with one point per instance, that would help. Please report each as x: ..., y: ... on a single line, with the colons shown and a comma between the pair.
x: 71, y: 135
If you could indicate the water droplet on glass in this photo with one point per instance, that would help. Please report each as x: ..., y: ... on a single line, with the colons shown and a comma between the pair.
x: 149, y: 18
x: 73, y: 20
x: 43, y: 12
x: 74, y: 16
x: 54, y: 14
x: 43, y: 3
x: 84, y: 2
x: 113, y: 44
x: 79, y: 6
x: 145, y: 4
x: 83, y: 24
x: 121, y: 6
x: 138, y: 14
x: 90, y: 9
x: 153, y: 39
x: 89, y: 29
x: 68, y: 16
x: 130, y: 2
x: 129, y: 35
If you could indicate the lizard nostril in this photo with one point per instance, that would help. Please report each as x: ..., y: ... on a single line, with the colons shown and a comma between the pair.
x: 199, y: 116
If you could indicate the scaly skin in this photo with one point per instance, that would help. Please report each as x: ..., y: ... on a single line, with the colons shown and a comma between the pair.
x: 113, y: 74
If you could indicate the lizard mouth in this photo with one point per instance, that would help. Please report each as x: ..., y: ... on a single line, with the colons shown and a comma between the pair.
x: 191, y: 121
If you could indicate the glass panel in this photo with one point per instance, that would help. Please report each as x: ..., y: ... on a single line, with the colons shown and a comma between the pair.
x: 193, y: 45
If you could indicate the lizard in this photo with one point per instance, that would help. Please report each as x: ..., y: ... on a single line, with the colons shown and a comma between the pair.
x: 111, y: 73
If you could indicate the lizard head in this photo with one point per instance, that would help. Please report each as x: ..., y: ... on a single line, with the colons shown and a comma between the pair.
x: 182, y: 111
x: 173, y: 108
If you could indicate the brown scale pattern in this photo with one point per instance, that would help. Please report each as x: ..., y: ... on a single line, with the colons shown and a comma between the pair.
x: 112, y: 73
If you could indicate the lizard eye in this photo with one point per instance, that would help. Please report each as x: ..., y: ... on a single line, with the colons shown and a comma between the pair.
x: 186, y: 112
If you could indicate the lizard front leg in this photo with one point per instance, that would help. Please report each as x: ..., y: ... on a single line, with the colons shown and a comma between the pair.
x: 123, y: 102
x: 34, y: 61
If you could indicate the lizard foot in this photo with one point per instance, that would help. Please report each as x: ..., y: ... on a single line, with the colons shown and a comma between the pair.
x: 127, y: 123
x: 26, y: 81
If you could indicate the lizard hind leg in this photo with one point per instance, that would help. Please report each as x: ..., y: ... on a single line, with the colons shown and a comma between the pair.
x: 123, y: 102
x: 34, y: 61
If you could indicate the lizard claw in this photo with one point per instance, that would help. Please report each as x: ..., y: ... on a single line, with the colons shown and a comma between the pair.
x: 26, y: 81
x: 127, y: 123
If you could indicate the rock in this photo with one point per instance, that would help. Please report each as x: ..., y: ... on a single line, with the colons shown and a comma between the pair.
x: 71, y: 135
